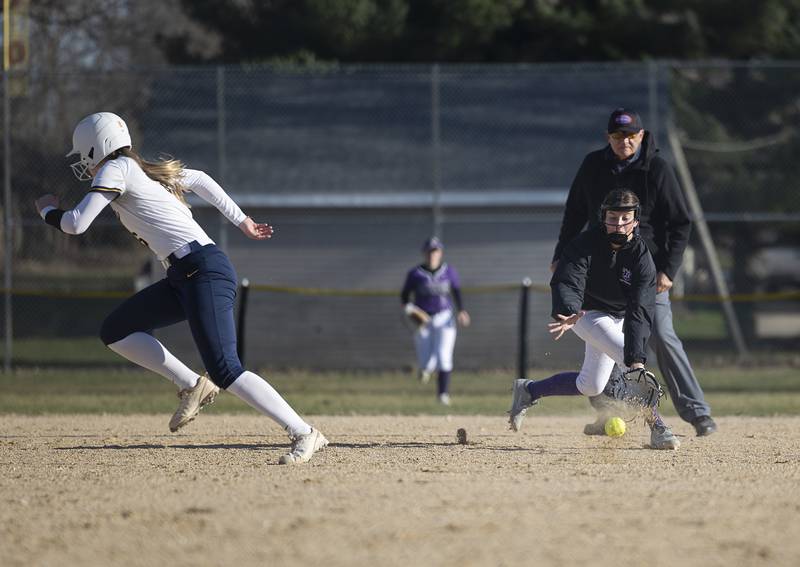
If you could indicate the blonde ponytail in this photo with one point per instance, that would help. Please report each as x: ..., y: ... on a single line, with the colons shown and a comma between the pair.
x: 167, y: 172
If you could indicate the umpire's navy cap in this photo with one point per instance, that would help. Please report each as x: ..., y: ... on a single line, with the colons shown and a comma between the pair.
x: 432, y: 243
x: 624, y: 120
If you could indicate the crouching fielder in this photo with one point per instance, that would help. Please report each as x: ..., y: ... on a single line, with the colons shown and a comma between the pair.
x: 604, y: 290
x: 200, y: 287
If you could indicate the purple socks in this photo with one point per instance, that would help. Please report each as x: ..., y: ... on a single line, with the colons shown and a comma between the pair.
x: 444, y: 381
x: 561, y: 384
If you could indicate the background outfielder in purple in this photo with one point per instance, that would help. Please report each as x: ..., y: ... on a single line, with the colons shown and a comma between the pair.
x: 436, y: 289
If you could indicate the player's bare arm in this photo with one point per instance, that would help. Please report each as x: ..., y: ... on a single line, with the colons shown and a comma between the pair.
x: 256, y: 230
x: 564, y: 324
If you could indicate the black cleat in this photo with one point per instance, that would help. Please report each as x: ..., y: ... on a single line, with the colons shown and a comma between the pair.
x: 704, y: 425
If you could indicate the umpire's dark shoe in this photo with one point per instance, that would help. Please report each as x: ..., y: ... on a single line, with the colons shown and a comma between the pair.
x: 704, y: 425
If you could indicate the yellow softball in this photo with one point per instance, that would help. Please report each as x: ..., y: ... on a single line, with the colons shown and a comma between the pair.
x: 615, y: 427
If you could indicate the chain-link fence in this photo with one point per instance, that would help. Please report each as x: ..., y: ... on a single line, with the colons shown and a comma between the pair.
x: 356, y: 165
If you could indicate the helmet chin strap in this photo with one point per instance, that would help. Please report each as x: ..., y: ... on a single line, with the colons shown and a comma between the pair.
x: 617, y: 238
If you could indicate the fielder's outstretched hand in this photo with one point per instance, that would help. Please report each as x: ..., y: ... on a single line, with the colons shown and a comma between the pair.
x: 256, y: 230
x: 564, y: 324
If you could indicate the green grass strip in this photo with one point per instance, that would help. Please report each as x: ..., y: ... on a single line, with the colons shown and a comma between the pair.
x: 731, y: 391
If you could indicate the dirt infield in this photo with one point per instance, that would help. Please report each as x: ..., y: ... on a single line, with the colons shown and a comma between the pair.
x: 114, y: 490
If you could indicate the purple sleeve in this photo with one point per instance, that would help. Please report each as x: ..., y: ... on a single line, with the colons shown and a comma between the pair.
x: 405, y: 295
x: 456, y: 291
x: 455, y: 288
x: 453, y: 276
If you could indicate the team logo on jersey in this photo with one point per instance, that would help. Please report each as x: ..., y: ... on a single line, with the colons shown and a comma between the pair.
x: 626, y: 276
x: 439, y: 287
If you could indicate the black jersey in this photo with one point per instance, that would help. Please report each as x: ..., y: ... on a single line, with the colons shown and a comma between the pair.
x: 592, y: 276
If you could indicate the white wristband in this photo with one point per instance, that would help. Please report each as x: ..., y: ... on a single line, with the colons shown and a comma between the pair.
x: 45, y: 210
x: 409, y: 308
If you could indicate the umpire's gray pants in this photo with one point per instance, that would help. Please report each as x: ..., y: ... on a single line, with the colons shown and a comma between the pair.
x: 684, y: 389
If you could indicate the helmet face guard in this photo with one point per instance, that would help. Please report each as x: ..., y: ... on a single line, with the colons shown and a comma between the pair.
x: 81, y: 169
x: 620, y: 209
x: 619, y: 238
x: 620, y: 200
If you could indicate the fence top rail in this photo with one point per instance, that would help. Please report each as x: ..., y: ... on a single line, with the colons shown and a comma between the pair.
x: 534, y: 197
x: 788, y: 295
x: 444, y: 67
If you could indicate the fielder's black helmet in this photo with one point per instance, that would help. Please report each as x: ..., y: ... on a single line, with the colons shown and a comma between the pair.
x: 620, y: 200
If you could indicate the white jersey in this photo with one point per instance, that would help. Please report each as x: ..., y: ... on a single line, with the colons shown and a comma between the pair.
x: 149, y: 211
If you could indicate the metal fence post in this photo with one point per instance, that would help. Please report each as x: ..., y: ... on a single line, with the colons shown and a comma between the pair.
x: 522, y: 362
x: 7, y: 233
x: 221, y: 150
x: 436, y: 151
x: 693, y: 201
x: 652, y: 99
x: 244, y: 292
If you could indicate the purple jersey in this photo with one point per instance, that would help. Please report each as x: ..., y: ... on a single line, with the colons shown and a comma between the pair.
x: 432, y: 290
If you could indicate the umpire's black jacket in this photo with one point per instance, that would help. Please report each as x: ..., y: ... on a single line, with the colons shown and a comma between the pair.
x: 664, y: 222
x: 592, y: 276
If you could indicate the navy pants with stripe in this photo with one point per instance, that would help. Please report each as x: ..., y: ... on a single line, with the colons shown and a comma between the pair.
x: 200, y: 288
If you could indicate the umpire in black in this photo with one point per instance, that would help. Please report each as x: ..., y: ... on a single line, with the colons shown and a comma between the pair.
x: 631, y: 161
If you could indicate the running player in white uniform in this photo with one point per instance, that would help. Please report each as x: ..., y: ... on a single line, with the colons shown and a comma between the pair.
x: 200, y: 287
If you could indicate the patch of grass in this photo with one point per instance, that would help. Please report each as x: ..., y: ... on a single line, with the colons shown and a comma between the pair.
x: 699, y: 324
x: 86, y: 351
x: 754, y: 380
x: 731, y: 391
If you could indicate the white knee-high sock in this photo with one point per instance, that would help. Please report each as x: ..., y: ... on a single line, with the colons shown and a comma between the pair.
x: 146, y: 351
x: 259, y: 394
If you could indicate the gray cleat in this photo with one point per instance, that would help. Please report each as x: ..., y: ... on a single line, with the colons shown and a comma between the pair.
x: 661, y: 437
x: 520, y: 402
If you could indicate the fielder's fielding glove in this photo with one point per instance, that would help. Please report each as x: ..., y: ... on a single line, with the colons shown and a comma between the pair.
x: 417, y: 316
x: 636, y: 387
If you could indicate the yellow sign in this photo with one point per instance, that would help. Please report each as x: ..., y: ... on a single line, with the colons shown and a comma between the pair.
x: 16, y: 42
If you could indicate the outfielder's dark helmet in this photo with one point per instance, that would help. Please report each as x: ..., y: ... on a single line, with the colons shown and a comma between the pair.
x: 620, y: 200
x: 432, y: 243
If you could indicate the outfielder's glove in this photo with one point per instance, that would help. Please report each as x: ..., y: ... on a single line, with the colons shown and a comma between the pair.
x: 637, y: 387
x: 416, y: 315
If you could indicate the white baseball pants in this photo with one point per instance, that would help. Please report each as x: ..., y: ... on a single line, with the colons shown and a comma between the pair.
x: 435, y: 342
x: 605, y: 343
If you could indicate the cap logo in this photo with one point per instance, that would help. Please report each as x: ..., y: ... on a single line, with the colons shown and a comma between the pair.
x: 623, y: 119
